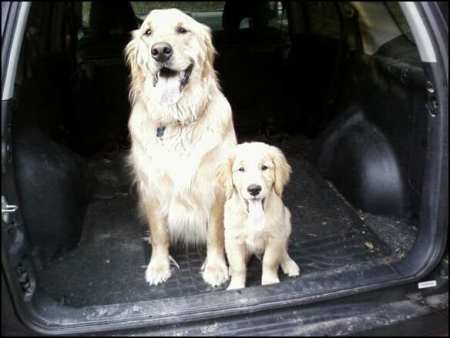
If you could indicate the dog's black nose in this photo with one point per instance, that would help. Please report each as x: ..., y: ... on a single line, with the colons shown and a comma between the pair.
x: 162, y: 51
x: 254, y: 189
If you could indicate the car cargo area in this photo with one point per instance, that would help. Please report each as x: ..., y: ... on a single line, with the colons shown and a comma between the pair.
x: 352, y: 124
x: 107, y: 265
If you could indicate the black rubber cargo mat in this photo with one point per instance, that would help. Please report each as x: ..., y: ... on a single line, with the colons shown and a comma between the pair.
x: 108, y: 265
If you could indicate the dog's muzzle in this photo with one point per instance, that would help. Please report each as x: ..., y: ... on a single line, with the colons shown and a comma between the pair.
x: 168, y: 73
x: 170, y: 83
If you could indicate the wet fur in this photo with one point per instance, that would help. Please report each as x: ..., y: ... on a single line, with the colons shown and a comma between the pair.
x: 175, y: 176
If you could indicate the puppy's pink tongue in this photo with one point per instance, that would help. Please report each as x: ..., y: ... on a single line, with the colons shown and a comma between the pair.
x: 168, y: 90
x: 256, y: 213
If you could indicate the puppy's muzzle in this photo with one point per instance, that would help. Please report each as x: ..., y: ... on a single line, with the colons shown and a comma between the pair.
x: 162, y: 51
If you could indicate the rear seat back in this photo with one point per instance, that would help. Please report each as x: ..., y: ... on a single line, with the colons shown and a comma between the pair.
x: 248, y: 64
x: 101, y: 91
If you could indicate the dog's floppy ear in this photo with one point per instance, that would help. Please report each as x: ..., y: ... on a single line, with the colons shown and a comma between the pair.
x: 131, y: 51
x: 225, y: 175
x: 210, y: 51
x: 131, y: 55
x: 282, y: 170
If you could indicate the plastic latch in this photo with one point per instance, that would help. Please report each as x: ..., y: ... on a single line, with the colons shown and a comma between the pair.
x: 427, y: 284
x: 7, y: 209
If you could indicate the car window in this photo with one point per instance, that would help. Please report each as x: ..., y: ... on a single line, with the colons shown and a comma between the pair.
x: 206, y: 12
x: 85, y: 13
x: 278, y: 18
x: 397, y: 15
x: 324, y: 18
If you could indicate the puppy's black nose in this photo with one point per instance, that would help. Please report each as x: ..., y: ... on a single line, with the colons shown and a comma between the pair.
x: 254, y: 189
x: 161, y: 51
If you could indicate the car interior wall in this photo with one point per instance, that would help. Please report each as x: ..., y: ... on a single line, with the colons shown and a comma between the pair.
x: 319, y: 84
x: 52, y: 178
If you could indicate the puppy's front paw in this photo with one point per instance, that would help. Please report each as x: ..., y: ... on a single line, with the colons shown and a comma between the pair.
x: 269, y: 278
x: 236, y: 284
x: 215, y: 271
x: 290, y: 268
x: 158, y: 271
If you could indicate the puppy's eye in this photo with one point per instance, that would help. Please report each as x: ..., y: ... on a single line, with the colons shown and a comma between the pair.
x: 181, y: 30
x: 264, y: 167
x: 148, y: 32
x: 241, y: 169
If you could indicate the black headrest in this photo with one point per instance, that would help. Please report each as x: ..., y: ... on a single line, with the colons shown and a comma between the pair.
x: 235, y: 11
x: 106, y: 17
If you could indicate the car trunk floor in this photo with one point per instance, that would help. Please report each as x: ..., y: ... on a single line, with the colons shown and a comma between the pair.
x: 108, y: 265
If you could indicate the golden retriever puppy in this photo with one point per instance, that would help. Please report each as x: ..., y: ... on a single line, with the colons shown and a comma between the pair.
x: 256, y: 220
x: 180, y: 128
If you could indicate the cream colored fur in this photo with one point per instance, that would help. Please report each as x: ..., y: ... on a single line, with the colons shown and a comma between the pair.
x: 175, y: 173
x: 261, y: 228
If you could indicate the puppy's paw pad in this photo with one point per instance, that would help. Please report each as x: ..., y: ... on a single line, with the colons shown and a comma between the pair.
x: 157, y: 273
x: 215, y: 273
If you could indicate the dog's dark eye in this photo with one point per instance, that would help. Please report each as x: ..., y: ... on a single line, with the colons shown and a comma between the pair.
x: 264, y: 167
x: 148, y: 32
x: 242, y: 169
x: 181, y: 30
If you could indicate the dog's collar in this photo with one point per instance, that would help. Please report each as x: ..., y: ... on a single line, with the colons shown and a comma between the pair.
x: 161, y: 129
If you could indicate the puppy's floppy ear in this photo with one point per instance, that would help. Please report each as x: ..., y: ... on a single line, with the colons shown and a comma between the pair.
x: 282, y: 170
x: 225, y: 175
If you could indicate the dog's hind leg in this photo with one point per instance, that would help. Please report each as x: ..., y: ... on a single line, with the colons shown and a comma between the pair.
x: 289, y: 266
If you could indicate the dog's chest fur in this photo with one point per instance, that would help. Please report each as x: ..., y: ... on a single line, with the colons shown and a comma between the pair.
x: 177, y: 154
x: 173, y: 169
x: 175, y: 142
x: 179, y: 151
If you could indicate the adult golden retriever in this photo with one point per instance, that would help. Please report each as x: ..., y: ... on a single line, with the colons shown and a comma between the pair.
x: 180, y: 127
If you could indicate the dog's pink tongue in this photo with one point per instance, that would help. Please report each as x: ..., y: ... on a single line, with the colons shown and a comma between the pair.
x: 168, y: 90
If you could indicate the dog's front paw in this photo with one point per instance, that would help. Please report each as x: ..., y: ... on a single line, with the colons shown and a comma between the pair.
x: 215, y: 271
x: 290, y: 268
x: 158, y: 271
